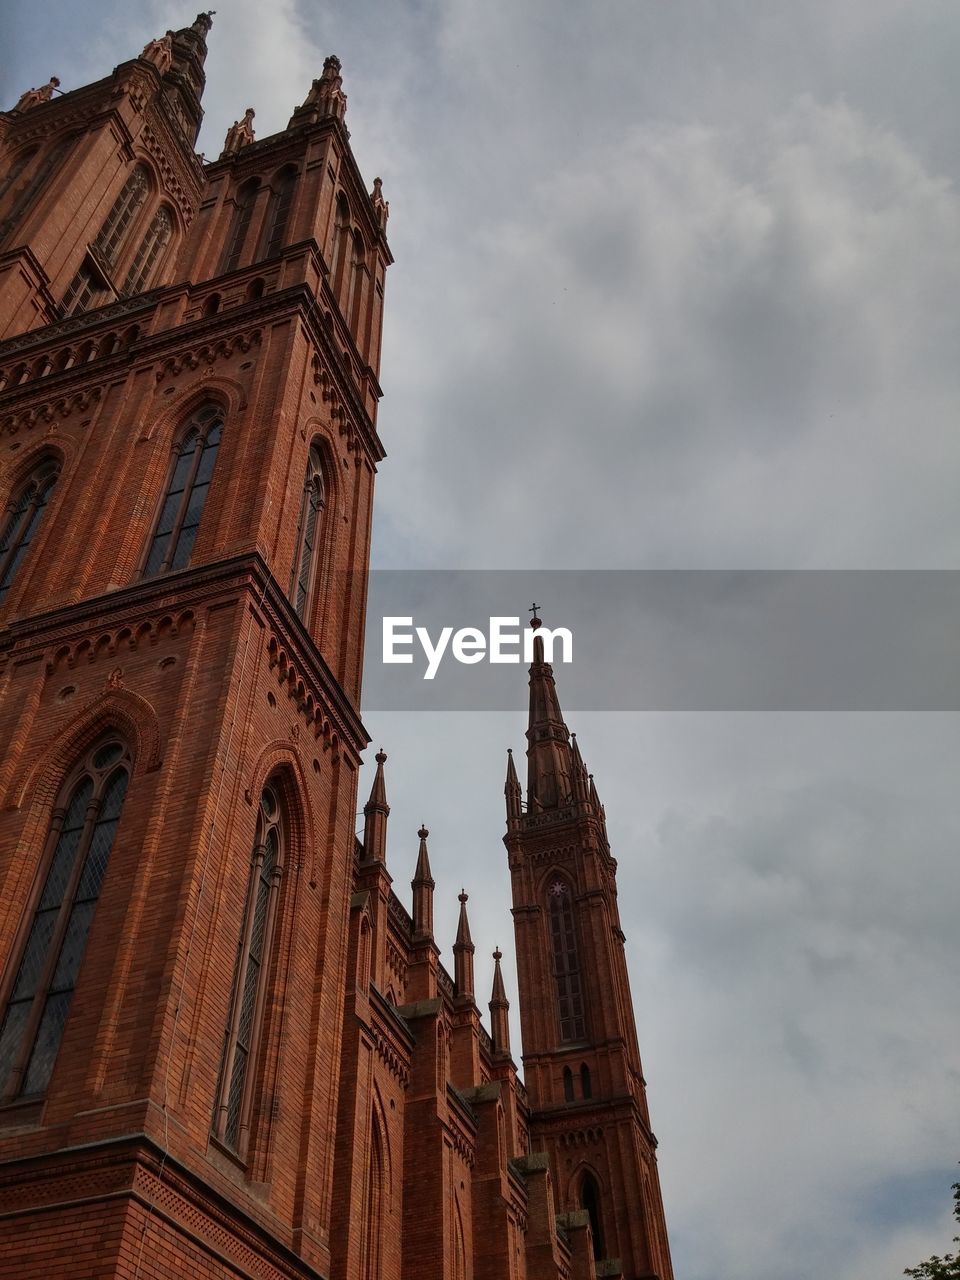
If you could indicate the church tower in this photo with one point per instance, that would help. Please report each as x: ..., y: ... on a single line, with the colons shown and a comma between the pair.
x: 588, y: 1106
x: 188, y: 391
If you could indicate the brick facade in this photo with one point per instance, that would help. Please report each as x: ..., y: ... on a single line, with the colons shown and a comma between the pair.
x: 261, y: 1068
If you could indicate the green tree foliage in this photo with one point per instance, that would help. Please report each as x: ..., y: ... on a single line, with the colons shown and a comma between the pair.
x: 947, y: 1267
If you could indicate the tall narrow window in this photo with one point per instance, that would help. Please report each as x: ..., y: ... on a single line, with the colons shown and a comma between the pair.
x: 23, y: 518
x: 586, y: 1089
x: 85, y: 291
x: 567, y: 1085
x: 307, y: 534
x: 357, y: 271
x: 153, y: 243
x: 278, y: 214
x: 179, y: 521
x: 566, y: 965
x: 110, y: 236
x: 590, y: 1200
x: 242, y: 213
x: 341, y: 243
x: 235, y: 1100
x: 373, y: 1233
x: 78, y: 849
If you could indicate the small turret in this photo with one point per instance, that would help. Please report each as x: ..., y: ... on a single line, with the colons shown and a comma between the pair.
x: 375, y: 814
x: 463, y: 950
x: 499, y: 1010
x: 240, y: 134
x: 513, y: 792
x: 580, y: 777
x: 326, y: 98
x: 423, y: 887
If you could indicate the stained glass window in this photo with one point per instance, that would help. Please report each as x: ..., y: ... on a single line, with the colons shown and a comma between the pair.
x: 81, y: 838
x: 179, y: 520
x: 235, y: 1103
x: 308, y: 542
x: 23, y: 518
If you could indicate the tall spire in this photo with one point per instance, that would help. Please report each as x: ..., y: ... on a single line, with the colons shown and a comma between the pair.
x: 423, y: 886
x: 183, y: 75
x: 499, y: 1009
x: 549, y: 763
x: 375, y: 814
x: 463, y: 950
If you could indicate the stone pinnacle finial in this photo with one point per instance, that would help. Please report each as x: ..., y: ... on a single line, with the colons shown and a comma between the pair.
x: 423, y: 885
x: 326, y: 97
x: 381, y: 207
x: 463, y: 950
x: 499, y: 1009
x: 160, y: 52
x: 240, y: 134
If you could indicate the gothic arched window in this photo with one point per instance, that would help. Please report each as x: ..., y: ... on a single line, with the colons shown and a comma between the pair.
x: 242, y: 213
x: 566, y: 965
x: 586, y: 1089
x: 179, y: 519
x: 110, y: 236
x: 78, y: 849
x: 373, y: 1233
x: 278, y: 213
x: 590, y: 1200
x: 567, y: 1085
x: 235, y: 1100
x: 308, y: 541
x: 22, y: 519
x: 341, y: 242
x: 154, y: 242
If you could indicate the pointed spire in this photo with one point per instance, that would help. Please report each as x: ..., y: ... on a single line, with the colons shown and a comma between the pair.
x: 183, y: 77
x: 240, y: 134
x: 381, y: 207
x: 375, y: 814
x: 326, y: 97
x: 499, y: 1009
x: 423, y: 886
x: 512, y: 791
x: 159, y: 52
x: 463, y: 950
x: 599, y: 810
x: 549, y: 764
x: 580, y: 788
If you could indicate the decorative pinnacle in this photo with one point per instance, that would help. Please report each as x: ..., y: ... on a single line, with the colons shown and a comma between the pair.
x: 463, y: 897
x: 497, y: 955
x: 535, y: 622
x: 381, y: 756
x: 423, y: 833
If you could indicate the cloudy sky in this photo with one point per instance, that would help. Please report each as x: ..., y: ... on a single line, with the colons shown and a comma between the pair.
x: 677, y: 286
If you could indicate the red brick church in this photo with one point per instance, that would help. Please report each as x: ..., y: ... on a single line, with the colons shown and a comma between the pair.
x: 227, y: 1047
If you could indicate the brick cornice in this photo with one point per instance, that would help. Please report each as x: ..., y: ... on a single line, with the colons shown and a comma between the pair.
x: 194, y: 589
